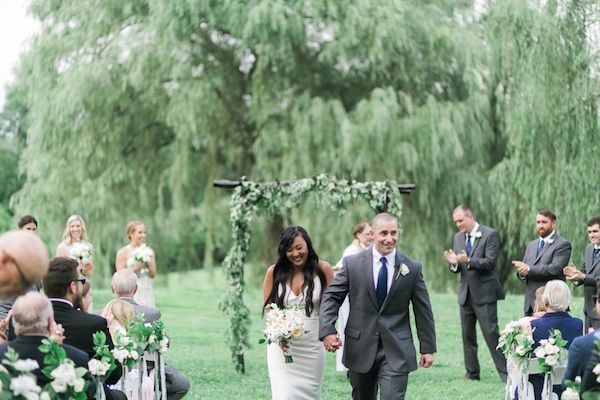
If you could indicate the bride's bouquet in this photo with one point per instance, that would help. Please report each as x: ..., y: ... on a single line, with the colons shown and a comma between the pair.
x: 82, y: 252
x: 282, y: 326
x: 140, y: 255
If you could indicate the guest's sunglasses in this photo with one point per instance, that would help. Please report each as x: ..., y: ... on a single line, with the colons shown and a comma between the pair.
x: 595, y: 298
x: 82, y: 280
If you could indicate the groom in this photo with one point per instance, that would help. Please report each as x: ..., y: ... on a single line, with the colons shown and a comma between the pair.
x: 380, y: 282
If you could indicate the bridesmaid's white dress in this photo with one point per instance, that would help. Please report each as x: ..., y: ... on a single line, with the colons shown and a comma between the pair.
x: 302, y: 378
x: 145, y: 292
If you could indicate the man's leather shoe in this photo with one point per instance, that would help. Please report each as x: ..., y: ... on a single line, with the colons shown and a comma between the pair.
x: 471, y: 378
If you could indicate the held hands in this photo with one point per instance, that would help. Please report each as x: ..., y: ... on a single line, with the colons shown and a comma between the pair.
x: 521, y: 267
x: 426, y: 360
x: 573, y: 274
x: 462, y: 257
x: 332, y: 342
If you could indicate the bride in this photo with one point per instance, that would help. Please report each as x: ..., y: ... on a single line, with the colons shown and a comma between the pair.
x: 298, y: 277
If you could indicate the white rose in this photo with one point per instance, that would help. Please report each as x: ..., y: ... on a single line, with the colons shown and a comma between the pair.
x: 164, y: 342
x: 26, y: 365
x: 551, y: 340
x: 570, y: 394
x: 125, y: 340
x: 23, y: 384
x: 78, y: 384
x: 133, y: 354
x: 148, y: 325
x: 543, y: 342
x: 520, y: 350
x: 596, y: 369
x: 152, y: 338
x: 552, y: 360
x: 540, y: 353
x: 44, y: 396
x: 59, y: 385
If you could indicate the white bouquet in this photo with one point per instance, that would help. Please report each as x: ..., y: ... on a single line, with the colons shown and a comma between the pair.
x: 82, y: 252
x: 140, y: 255
x: 514, y: 342
x: 551, y: 351
x: 282, y: 325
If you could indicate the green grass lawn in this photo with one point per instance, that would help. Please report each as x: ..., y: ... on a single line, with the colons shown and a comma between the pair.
x: 189, y: 305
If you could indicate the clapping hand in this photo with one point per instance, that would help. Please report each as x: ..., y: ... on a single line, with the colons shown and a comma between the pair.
x: 521, y: 267
x: 451, y: 257
x: 572, y: 273
x: 332, y: 342
x: 462, y: 257
x: 57, y: 332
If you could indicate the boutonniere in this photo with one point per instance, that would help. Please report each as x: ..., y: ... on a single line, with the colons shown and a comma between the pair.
x: 550, y: 241
x: 402, y: 270
x: 477, y: 234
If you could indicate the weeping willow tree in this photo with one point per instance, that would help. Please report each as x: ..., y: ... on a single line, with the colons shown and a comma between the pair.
x: 135, y: 107
x: 546, y: 86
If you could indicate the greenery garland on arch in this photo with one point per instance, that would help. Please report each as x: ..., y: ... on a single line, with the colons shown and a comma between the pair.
x: 266, y: 199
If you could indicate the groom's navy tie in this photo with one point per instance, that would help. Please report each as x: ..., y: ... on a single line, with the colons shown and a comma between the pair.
x: 468, y: 245
x: 540, y: 248
x: 382, y: 283
x: 595, y: 255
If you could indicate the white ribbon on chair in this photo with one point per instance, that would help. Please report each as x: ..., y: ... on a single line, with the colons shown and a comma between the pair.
x: 158, y: 378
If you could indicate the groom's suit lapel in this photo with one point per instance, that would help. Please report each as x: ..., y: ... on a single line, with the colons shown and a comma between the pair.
x: 396, y: 280
x: 476, y: 240
x: 368, y: 274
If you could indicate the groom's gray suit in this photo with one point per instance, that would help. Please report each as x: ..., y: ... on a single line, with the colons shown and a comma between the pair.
x: 544, y: 266
x: 372, y: 333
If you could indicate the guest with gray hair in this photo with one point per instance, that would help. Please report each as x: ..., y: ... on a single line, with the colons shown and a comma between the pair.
x: 124, y: 286
x: 556, y: 298
x: 33, y: 320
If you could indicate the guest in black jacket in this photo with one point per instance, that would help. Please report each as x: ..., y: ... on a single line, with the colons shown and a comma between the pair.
x: 33, y: 321
x: 63, y: 284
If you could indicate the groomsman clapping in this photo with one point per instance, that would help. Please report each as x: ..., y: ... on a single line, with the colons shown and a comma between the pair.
x: 544, y: 258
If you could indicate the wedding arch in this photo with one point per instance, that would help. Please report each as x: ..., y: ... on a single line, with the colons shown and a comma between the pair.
x: 266, y: 199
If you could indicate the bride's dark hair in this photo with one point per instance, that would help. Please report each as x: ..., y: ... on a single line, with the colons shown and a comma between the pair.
x: 283, y: 269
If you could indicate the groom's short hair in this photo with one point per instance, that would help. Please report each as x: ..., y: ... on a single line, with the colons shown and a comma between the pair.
x: 124, y: 283
x: 383, y: 217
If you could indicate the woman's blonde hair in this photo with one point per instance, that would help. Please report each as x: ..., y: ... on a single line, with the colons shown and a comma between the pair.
x: 131, y: 226
x: 67, y: 236
x: 119, y: 311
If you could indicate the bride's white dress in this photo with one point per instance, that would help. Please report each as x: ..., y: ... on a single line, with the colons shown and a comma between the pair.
x: 302, y: 378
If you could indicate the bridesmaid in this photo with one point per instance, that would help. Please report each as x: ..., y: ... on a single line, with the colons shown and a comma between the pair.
x: 75, y: 232
x: 136, y: 233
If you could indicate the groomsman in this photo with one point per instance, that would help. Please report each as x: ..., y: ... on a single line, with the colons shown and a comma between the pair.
x: 589, y: 274
x: 544, y: 259
x: 474, y: 257
x: 380, y: 282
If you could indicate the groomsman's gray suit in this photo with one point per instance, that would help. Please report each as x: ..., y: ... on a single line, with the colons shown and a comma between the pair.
x: 479, y: 291
x: 591, y: 269
x: 545, y: 266
x: 373, y: 335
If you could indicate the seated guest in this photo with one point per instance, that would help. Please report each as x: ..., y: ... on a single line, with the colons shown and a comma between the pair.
x: 539, y: 309
x: 124, y: 286
x: 556, y: 297
x: 85, y: 302
x: 589, y: 380
x: 33, y: 321
x: 63, y: 284
x: 581, y: 349
x: 118, y: 313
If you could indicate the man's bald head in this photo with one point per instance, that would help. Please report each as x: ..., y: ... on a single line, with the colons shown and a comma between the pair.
x: 23, y: 261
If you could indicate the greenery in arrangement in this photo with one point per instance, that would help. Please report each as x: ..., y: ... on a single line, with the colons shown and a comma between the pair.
x: 251, y: 198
